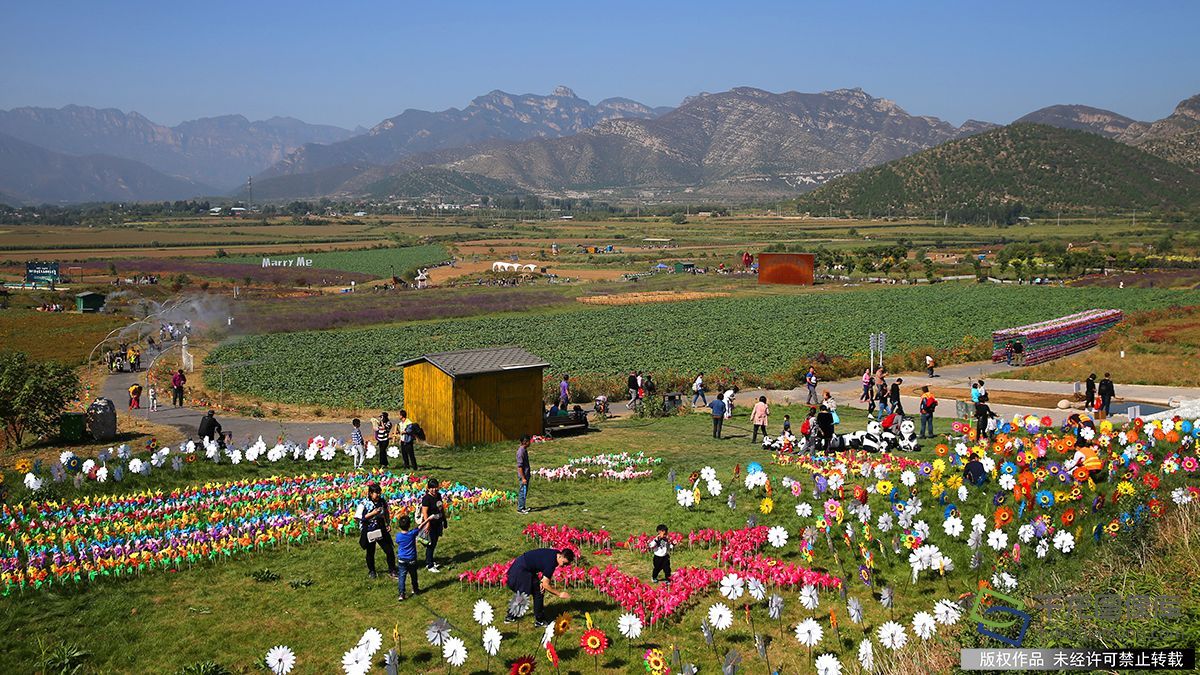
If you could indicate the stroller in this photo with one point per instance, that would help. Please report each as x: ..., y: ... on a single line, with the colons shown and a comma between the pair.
x: 601, y: 406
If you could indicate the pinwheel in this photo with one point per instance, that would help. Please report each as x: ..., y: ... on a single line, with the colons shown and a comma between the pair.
x: 808, y: 597
x: 482, y: 612
x: 655, y: 663
x: 356, y: 662
x: 778, y: 536
x: 454, y: 651
x: 280, y: 659
x: 732, y: 586
x: 892, y: 635
x: 720, y: 616
x: 828, y: 664
x: 923, y: 625
x: 523, y: 666
x: 437, y: 632
x: 809, y: 634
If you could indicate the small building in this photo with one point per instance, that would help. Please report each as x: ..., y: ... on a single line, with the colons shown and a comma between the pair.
x: 89, y: 301
x: 682, y: 267
x: 475, y: 396
x: 786, y: 268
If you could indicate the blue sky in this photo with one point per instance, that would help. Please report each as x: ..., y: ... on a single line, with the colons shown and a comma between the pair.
x: 356, y: 63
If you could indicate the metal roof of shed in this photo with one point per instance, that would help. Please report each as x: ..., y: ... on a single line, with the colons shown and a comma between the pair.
x: 476, y: 361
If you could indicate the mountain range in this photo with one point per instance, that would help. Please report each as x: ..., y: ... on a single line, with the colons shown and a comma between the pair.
x: 744, y: 143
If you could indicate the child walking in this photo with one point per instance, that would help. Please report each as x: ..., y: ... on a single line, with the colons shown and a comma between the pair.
x: 661, y: 547
x: 406, y: 554
x: 358, y: 449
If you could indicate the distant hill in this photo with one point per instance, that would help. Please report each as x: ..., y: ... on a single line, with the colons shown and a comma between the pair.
x: 496, y: 115
x: 1033, y: 166
x: 220, y: 151
x: 1175, y: 138
x: 33, y: 175
x: 1081, y: 117
x: 434, y: 181
x: 724, y: 143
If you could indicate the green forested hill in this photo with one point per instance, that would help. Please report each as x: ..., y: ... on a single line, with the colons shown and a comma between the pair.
x: 1028, y: 167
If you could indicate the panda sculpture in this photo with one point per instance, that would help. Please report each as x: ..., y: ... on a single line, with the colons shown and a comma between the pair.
x: 908, y: 440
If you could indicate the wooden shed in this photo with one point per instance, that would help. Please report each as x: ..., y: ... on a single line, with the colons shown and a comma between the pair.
x: 475, y: 396
x: 786, y: 268
x: 89, y: 301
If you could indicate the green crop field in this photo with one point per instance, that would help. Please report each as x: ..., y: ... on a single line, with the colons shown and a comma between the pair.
x: 761, y: 335
x: 377, y: 261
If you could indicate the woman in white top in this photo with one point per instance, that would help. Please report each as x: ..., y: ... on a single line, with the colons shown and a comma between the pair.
x: 698, y: 390
x: 727, y: 397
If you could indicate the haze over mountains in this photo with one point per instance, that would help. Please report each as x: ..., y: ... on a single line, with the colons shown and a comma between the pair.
x: 744, y: 143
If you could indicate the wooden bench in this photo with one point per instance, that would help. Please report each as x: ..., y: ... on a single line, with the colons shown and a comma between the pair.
x: 553, y: 425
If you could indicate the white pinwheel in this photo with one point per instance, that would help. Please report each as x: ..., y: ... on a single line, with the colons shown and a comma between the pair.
x: 997, y: 539
x: 548, y: 634
x: 777, y: 536
x: 482, y: 612
x: 356, y: 662
x: 892, y: 635
x: 732, y: 586
x: 1064, y: 541
x: 908, y: 478
x: 715, y: 487
x: 809, y: 633
x: 923, y: 625
x: 454, y: 651
x: 720, y: 616
x: 953, y: 526
x: 866, y: 655
x: 804, y: 509
x: 685, y: 498
x: 630, y: 626
x: 1043, y: 547
x: 757, y: 589
x: 280, y: 659
x: 491, y: 640
x: 828, y: 664
x: 709, y: 474
x: 371, y: 641
x: 808, y: 597
x: 1025, y: 533
x: 946, y: 612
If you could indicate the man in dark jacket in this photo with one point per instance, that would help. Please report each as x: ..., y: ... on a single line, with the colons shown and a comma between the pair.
x: 894, y: 396
x: 210, y: 428
x: 824, y: 429
x: 1107, y: 392
x: 1089, y: 392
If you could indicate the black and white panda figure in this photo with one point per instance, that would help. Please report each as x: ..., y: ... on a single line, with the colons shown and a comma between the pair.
x: 908, y: 440
x: 853, y: 440
x: 873, y: 439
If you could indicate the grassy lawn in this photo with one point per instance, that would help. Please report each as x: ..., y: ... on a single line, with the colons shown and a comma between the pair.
x: 163, y: 621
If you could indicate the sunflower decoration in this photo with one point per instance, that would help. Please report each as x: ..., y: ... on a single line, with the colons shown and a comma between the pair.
x: 23, y: 465
x: 884, y: 487
x: 1068, y: 517
x: 1113, y: 527
x: 1003, y: 516
x: 562, y: 624
x: 191, y: 459
x: 1098, y: 503
x: 941, y: 449
x: 522, y: 666
x: 73, y: 464
x: 594, y: 642
x: 1045, y: 499
x: 656, y: 663
x: 1080, y: 474
x: 766, y: 506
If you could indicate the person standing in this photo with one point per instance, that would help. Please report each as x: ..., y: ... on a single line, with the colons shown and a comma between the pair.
x: 383, y: 435
x: 1019, y: 353
x: 523, y: 577
x: 153, y: 393
x: 523, y: 473
x: 929, y: 363
x: 407, y: 440
x: 882, y: 396
x: 810, y: 381
x: 375, y: 521
x: 1107, y: 391
x: 660, y: 549
x: 825, y: 429
x: 728, y: 398
x: 983, y: 393
x: 433, y: 519
x: 177, y: 382
x: 210, y: 428
x: 698, y: 390
x: 564, y: 392
x: 894, y: 397
x: 135, y: 396
x: 927, y: 406
x: 718, y: 415
x: 1089, y: 392
x: 358, y: 448
x: 406, y: 552
x: 866, y: 384
x: 1008, y: 352
x: 758, y: 417
x: 632, y: 383
x: 983, y: 414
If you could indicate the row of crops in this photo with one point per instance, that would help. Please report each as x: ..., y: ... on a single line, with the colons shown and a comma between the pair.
x: 759, y: 335
x: 378, y: 262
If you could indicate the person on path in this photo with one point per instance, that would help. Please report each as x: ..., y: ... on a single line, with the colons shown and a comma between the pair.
x: 433, y: 520
x: 177, y: 382
x: 927, y: 406
x: 882, y: 396
x: 894, y: 397
x: 632, y: 383
x: 404, y: 428
x: 210, y: 428
x: 718, y: 415
x: 929, y: 363
x: 135, y: 396
x: 660, y: 550
x: 523, y: 473
x: 1089, y: 392
x: 829, y: 402
x: 1008, y: 352
x: 1019, y: 353
x: 531, y: 573
x: 728, y: 398
x: 153, y: 393
x: 358, y: 448
x: 406, y: 553
x: 383, y: 434
x: 866, y: 383
x: 375, y: 520
x: 698, y: 390
x: 564, y: 392
x: 758, y: 417
x: 1107, y: 391
x: 810, y: 381
x: 983, y: 393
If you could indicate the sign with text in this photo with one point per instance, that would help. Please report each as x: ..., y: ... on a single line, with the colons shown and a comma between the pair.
x: 299, y: 261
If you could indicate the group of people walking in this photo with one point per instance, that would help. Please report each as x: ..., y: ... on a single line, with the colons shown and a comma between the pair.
x: 400, y: 548
x: 402, y: 433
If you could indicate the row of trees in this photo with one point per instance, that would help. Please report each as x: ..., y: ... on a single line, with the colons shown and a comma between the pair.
x: 33, y: 395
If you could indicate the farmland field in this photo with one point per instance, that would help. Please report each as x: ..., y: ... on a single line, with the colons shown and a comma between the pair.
x: 763, y: 336
x: 378, y: 262
x: 64, y: 337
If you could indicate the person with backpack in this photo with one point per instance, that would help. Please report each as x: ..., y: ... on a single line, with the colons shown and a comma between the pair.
x: 825, y: 428
x: 1107, y: 391
x: 927, y: 406
x: 1089, y: 391
x: 810, y: 381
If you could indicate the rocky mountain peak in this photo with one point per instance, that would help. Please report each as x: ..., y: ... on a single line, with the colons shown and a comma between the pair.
x: 564, y: 92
